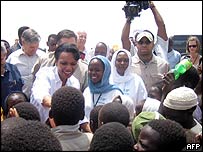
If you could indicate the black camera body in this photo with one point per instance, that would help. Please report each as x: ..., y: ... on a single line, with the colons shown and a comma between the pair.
x: 133, y: 8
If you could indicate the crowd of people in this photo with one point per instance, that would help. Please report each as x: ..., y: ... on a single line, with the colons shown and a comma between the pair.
x: 69, y: 98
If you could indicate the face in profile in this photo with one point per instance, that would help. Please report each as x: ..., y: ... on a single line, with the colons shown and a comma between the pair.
x: 95, y: 70
x: 148, y: 139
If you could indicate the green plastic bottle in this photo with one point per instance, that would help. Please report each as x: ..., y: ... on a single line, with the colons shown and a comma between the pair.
x: 182, y: 67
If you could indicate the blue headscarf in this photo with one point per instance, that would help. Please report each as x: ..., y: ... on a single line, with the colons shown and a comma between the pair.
x: 103, y: 86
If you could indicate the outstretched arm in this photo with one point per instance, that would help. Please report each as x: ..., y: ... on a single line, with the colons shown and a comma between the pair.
x: 159, y: 21
x: 125, y: 35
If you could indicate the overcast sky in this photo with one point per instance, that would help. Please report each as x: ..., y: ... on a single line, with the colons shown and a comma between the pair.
x: 102, y: 20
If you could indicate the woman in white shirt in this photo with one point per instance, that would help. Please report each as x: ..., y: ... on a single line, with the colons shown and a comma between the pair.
x: 49, y: 79
x: 130, y: 83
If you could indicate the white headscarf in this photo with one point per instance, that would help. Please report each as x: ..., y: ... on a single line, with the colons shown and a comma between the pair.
x: 115, y: 76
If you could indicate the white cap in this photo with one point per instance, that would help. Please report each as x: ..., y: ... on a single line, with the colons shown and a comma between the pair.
x: 181, y: 98
x: 146, y: 34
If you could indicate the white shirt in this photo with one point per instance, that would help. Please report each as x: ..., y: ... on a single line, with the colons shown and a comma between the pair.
x: 161, y: 48
x: 46, y: 83
x: 24, y: 64
x: 99, y: 99
x: 130, y: 83
x: 151, y: 105
x: 173, y: 58
x: 135, y: 89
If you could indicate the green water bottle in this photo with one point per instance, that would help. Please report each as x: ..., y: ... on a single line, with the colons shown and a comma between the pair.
x: 182, y: 67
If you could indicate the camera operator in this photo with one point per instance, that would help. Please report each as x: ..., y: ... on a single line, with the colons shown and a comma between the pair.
x: 161, y: 46
x: 145, y: 63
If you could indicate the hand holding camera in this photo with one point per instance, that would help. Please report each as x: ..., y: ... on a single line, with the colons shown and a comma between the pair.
x: 133, y: 8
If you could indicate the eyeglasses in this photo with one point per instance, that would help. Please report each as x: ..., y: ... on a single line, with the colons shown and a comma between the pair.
x: 144, y: 42
x: 194, y: 46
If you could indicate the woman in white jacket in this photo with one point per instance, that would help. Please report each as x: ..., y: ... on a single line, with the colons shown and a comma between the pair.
x: 130, y: 83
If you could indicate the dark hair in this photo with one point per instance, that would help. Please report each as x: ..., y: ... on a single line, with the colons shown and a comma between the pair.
x: 112, y: 136
x: 65, y: 34
x: 54, y: 36
x: 157, y: 90
x: 103, y: 45
x: 172, y: 134
x: 7, y: 45
x: 30, y: 136
x: 30, y: 36
x: 189, y: 79
x: 22, y: 98
x: 9, y: 123
x: 67, y: 106
x: 27, y: 111
x: 94, y: 117
x: 114, y: 112
x: 71, y: 48
x: 20, y: 32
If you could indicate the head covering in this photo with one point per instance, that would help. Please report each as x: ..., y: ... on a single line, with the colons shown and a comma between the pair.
x: 141, y: 120
x: 103, y: 86
x: 115, y: 77
x: 146, y: 34
x: 181, y: 98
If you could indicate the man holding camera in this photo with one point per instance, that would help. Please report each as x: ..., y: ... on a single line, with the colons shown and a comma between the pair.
x: 150, y: 60
x: 161, y: 46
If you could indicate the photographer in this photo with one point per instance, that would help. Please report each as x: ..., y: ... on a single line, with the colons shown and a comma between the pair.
x: 161, y: 46
x: 145, y: 63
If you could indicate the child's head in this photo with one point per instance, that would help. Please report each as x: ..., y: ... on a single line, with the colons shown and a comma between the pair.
x: 94, y: 118
x: 67, y: 106
x: 13, y: 99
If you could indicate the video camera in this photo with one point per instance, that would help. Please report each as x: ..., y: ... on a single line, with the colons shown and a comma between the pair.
x: 133, y: 8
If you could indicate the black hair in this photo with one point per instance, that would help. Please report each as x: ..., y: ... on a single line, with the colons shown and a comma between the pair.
x: 94, y: 118
x: 112, y: 136
x: 19, y: 93
x: 20, y: 32
x: 189, y: 79
x: 104, y: 44
x: 65, y: 34
x: 54, y: 36
x: 67, y: 106
x: 114, y: 112
x: 27, y: 111
x: 9, y: 123
x: 157, y: 90
x: 7, y: 45
x: 65, y: 47
x: 30, y: 136
x: 172, y: 134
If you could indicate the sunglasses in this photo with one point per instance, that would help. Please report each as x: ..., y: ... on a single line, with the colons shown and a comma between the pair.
x: 194, y: 46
